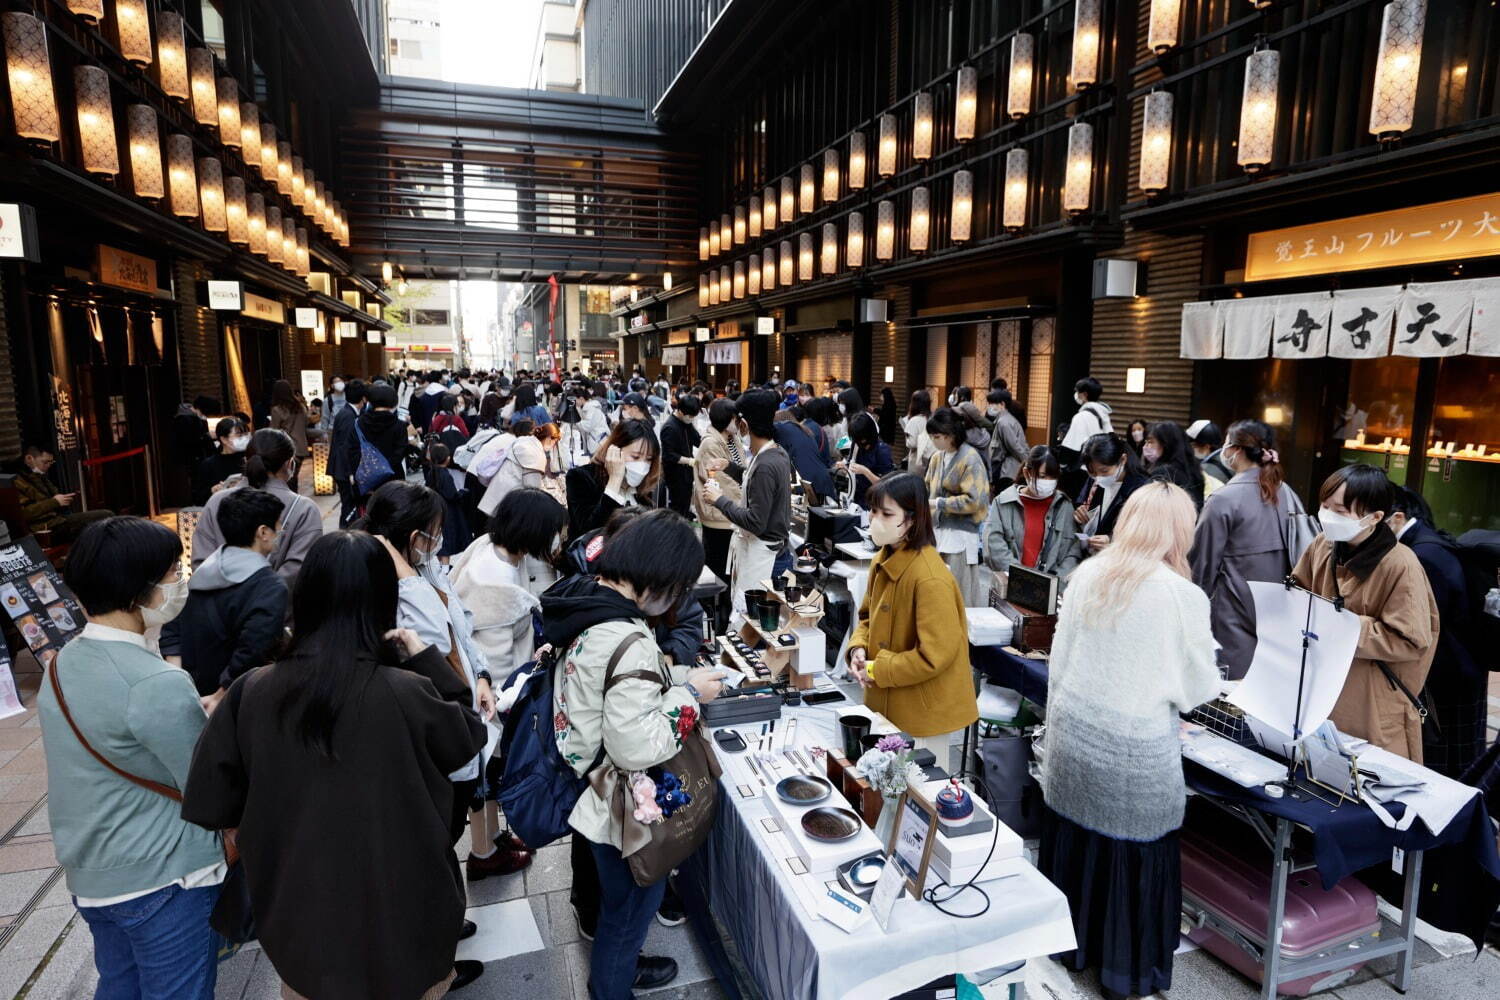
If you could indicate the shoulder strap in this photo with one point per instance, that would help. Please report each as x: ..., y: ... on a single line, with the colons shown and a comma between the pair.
x: 611, y: 678
x: 453, y: 658
x: 62, y: 703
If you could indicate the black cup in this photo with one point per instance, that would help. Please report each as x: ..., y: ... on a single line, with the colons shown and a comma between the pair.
x: 851, y: 729
x: 770, y: 614
x: 793, y: 594
x: 752, y: 602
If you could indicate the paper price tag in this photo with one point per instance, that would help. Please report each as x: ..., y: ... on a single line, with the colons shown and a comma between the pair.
x: 1398, y: 861
x: 887, y: 891
x: 840, y: 910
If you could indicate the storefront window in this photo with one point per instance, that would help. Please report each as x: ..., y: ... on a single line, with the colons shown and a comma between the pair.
x: 1375, y: 424
x: 1462, y: 479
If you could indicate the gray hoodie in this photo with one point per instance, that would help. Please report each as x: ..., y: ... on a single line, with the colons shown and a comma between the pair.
x: 228, y: 566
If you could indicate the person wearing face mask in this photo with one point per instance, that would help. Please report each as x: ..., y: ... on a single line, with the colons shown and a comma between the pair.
x: 408, y: 518
x: 679, y: 438
x: 914, y: 430
x: 1135, y: 436
x: 1114, y: 477
x: 623, y: 472
x: 1167, y: 457
x: 1008, y: 451
x: 233, y: 437
x: 1242, y: 536
x: 1208, y: 445
x: 334, y: 401
x: 1031, y: 523
x: 1358, y: 559
x: 1092, y: 416
x: 124, y: 848
x: 908, y: 649
x: 958, y: 486
x: 721, y: 450
x: 614, y: 698
x: 869, y: 458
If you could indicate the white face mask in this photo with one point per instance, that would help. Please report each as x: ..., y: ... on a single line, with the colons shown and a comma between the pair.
x: 173, y: 597
x: 1150, y: 452
x: 421, y: 557
x: 883, y: 532
x: 651, y: 607
x: 1044, y: 487
x: 636, y: 472
x: 1340, y: 527
x: 239, y: 443
x: 992, y: 411
x: 952, y: 399
x: 1110, y: 478
x: 338, y: 387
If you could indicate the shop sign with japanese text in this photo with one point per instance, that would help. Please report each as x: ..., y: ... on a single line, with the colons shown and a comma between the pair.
x: 126, y: 270
x: 1448, y: 230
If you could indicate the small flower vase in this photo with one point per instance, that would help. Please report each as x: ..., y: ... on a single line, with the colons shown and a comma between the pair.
x: 886, y: 821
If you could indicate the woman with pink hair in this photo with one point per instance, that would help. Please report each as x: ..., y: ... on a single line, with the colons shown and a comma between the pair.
x: 1134, y: 649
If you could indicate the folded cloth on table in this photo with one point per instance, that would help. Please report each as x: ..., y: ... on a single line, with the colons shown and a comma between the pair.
x: 1387, y: 778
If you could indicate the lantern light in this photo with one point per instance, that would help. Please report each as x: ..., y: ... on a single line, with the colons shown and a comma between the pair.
x: 205, y: 97
x: 96, y: 121
x: 267, y: 153
x: 299, y: 185
x: 1161, y: 32
x: 788, y: 200
x: 808, y: 190
x: 32, y: 102
x: 755, y: 218
x: 145, y: 151
x: 211, y: 194
x: 919, y: 233
x: 304, y: 258
x: 960, y: 226
x: 854, y: 243
x: 133, y: 31
x: 713, y: 286
x: 726, y: 285
x: 1078, y: 184
x: 768, y: 208
x: 250, y: 133
x: 804, y: 257
x: 234, y: 210
x: 702, y: 291
x: 921, y: 127
x: 885, y: 155
x: 230, y: 133
x: 1085, y: 71
x: 752, y: 275
x: 182, y: 178
x: 1156, y: 142
x: 255, y: 220
x: 830, y: 176
x: 739, y: 279
x: 91, y: 11
x: 714, y: 246
x: 1396, y: 67
x: 857, y: 161
x: 768, y: 268
x: 1018, y: 88
x: 284, y: 168
x: 1258, y: 109
x: 966, y: 103
x: 273, y: 234
x: 703, y: 243
x: 726, y: 232
x: 288, y: 242
x: 785, y: 266
x: 829, y: 263
x: 739, y: 225
x: 1013, y: 209
x: 885, y: 230
x: 171, y: 56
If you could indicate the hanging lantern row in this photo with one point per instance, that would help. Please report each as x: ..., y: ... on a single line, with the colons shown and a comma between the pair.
x: 192, y: 187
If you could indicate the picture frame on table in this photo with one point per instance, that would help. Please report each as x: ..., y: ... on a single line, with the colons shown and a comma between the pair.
x: 912, y: 837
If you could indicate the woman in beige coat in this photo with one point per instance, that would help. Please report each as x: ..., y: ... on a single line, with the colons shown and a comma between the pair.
x: 721, y: 448
x: 1357, y: 558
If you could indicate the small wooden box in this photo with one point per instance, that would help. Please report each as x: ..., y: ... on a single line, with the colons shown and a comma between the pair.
x: 1031, y: 631
x: 865, y: 799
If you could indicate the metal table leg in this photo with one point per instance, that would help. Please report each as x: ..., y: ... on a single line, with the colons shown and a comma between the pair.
x: 1281, y: 852
x: 1409, y: 903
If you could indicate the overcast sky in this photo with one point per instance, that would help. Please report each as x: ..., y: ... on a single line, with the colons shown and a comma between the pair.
x: 489, y: 41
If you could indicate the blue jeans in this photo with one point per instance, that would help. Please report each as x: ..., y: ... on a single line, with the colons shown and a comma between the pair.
x: 625, y: 911
x: 156, y: 947
x: 783, y: 561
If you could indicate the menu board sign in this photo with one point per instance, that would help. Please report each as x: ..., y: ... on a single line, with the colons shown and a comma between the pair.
x: 40, y: 605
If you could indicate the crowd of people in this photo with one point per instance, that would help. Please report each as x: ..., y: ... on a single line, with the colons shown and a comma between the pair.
x: 488, y: 524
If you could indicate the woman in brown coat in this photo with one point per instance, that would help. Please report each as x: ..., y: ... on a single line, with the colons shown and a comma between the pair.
x: 910, y: 648
x: 288, y: 414
x: 1357, y: 558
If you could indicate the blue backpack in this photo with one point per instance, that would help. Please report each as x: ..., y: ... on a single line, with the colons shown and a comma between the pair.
x: 538, y: 788
x: 374, y: 469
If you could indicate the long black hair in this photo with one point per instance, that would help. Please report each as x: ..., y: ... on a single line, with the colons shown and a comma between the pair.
x: 398, y: 510
x: 343, y: 604
x: 267, y: 454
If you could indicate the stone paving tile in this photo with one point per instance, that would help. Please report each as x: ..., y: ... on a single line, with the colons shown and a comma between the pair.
x: 24, y: 857
x: 551, y: 870
x: 11, y: 813
x: 27, y: 788
x: 39, y: 822
x: 496, y: 889
x: 560, y: 918
x: 69, y: 972
x: 18, y: 739
x: 536, y: 975
x: 1455, y: 979
x: 17, y: 888
x: 29, y: 761
x: 32, y: 939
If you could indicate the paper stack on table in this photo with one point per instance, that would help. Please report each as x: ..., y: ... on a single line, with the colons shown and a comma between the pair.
x: 988, y: 627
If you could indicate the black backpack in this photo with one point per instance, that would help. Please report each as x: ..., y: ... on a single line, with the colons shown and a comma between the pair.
x: 1478, y: 551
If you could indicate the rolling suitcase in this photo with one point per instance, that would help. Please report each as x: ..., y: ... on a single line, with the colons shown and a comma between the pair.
x: 1226, y: 894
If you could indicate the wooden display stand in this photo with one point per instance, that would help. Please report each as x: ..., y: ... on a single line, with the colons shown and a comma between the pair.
x: 861, y: 795
x: 780, y: 657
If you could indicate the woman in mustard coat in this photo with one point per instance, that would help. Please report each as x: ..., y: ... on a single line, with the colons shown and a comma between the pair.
x: 910, y: 648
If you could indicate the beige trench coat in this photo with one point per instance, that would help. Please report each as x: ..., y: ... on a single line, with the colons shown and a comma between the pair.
x: 1399, y: 625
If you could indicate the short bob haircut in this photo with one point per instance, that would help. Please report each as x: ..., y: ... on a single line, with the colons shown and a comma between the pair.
x: 688, y: 404
x: 527, y: 522
x: 229, y: 426
x: 1366, y: 489
x: 907, y: 491
x: 1090, y: 387
x: 1042, y: 463
x: 115, y: 563
x: 949, y: 423
x: 242, y: 512
x: 722, y: 413
x: 863, y: 431
x: 658, y: 554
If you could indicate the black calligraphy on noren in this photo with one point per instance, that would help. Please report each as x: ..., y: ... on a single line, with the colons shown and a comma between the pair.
x: 1300, y: 335
x: 1359, y: 328
x: 1427, y: 315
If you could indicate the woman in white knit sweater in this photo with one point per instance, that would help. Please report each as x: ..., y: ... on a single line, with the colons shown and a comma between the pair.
x: 1134, y: 649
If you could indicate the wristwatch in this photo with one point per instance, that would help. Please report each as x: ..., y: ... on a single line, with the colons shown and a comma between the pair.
x: 484, y: 675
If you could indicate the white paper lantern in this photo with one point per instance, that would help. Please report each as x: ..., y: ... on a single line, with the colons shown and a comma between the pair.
x: 857, y: 161
x: 885, y: 155
x: 1395, y: 95
x: 171, y: 56
x: 921, y: 126
x: 1013, y: 208
x: 96, y: 121
x: 1086, y: 27
x: 1022, y: 65
x: 145, y: 151
x: 205, y: 93
x: 1078, y: 185
x: 885, y: 230
x: 966, y: 103
x: 830, y: 176
x: 1161, y: 32
x: 768, y: 208
x: 919, y: 232
x: 754, y: 221
x: 854, y: 244
x: 182, y: 176
x: 960, y: 226
x: 1258, y: 109
x: 1156, y: 142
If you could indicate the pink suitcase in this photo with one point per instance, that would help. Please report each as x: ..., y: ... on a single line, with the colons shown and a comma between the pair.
x: 1226, y: 893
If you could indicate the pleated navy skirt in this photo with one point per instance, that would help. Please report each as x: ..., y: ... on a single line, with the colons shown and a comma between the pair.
x: 1126, y: 898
